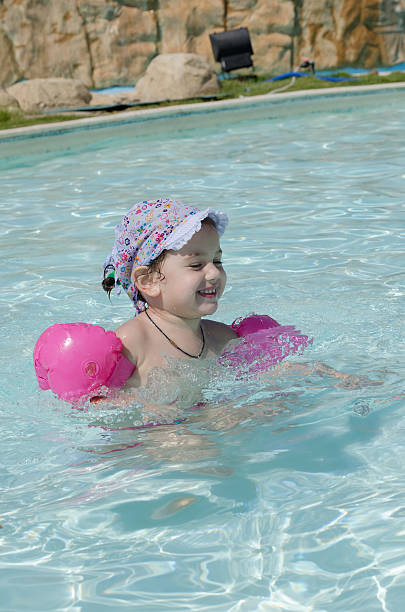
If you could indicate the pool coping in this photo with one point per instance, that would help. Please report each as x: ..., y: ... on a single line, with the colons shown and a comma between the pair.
x: 123, y: 117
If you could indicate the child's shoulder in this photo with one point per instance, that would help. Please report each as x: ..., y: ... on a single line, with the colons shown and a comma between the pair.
x: 132, y: 335
x: 220, y: 328
x: 129, y: 328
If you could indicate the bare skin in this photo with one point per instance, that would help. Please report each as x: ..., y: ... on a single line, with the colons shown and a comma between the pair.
x: 188, y: 287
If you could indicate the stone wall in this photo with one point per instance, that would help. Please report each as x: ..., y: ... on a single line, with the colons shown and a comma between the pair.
x: 111, y: 42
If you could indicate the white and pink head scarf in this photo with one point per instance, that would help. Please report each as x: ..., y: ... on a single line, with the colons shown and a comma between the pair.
x: 149, y: 228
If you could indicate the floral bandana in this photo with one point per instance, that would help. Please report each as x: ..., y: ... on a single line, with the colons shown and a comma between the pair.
x: 149, y: 228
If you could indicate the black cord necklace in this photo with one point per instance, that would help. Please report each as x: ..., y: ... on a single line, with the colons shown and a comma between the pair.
x: 172, y: 342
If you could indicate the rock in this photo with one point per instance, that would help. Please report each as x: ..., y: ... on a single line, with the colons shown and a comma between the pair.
x: 174, y: 76
x: 111, y: 42
x: 185, y: 25
x: 40, y: 94
x: 101, y: 42
x: 49, y: 39
x: 275, y: 52
x: 126, y: 97
x: 267, y: 17
x: 121, y: 43
x: 271, y: 27
x: 7, y: 101
x: 103, y: 99
x: 351, y: 32
x: 9, y: 70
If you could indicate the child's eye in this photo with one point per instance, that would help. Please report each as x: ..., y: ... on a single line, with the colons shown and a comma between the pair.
x: 199, y: 266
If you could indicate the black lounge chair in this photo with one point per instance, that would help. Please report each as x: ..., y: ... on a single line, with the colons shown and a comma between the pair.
x: 232, y: 49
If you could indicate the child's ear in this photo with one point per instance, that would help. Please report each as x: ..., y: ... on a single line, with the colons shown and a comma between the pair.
x: 145, y: 281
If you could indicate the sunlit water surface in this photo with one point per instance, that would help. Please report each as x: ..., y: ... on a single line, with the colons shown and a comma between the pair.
x: 283, y: 493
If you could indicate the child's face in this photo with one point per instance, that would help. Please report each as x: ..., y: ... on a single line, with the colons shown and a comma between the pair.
x: 193, y: 277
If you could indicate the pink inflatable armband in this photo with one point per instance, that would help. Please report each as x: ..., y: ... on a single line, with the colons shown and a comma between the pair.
x: 252, y: 324
x: 265, y: 343
x: 77, y: 360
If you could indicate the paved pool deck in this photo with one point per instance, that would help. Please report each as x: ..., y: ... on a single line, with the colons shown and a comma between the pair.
x: 179, y: 109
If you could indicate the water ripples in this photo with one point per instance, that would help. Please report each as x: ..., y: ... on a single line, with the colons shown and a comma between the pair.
x: 282, y: 493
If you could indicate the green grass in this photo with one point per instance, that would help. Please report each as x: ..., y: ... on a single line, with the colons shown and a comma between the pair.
x: 12, y: 119
x: 231, y: 88
x: 250, y: 87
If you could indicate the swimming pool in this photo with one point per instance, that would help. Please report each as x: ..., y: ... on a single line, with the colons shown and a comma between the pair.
x: 289, y: 493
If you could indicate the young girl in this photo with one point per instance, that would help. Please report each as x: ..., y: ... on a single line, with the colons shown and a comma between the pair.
x: 168, y: 259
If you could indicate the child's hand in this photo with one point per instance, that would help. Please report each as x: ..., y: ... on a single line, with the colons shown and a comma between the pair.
x: 97, y: 398
x: 351, y: 381
x: 348, y: 381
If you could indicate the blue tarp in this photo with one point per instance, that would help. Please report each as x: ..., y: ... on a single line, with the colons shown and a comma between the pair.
x: 335, y: 79
x: 288, y: 75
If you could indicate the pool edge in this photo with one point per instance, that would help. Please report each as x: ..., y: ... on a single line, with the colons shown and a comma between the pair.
x: 54, y: 129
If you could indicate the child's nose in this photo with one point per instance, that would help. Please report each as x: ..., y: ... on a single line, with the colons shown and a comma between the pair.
x: 213, y: 272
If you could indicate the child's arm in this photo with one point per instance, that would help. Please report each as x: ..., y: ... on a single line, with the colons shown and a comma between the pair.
x: 130, y: 336
x: 217, y: 335
x: 262, y: 329
x: 349, y: 381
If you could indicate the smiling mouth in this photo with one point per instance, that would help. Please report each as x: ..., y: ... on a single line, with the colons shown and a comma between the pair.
x: 208, y: 293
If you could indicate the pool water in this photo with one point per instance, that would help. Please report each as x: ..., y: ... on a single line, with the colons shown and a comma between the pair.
x: 283, y: 493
